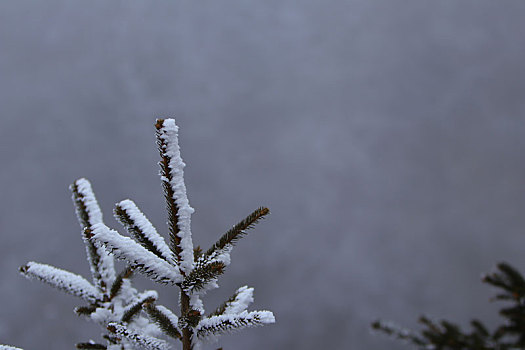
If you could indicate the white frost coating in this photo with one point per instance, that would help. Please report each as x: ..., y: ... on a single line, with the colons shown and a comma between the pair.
x: 64, y: 280
x: 210, y: 328
x: 174, y: 319
x: 148, y: 294
x: 147, y: 228
x: 89, y: 200
x: 223, y: 255
x: 169, y: 134
x: 104, y: 267
x: 139, y: 338
x: 7, y: 347
x: 243, y: 298
x: 103, y: 315
x: 136, y: 255
x: 196, y: 303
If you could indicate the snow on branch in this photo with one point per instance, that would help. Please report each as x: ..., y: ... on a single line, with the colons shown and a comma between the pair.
x: 138, y: 338
x: 135, y: 306
x: 199, y: 277
x: 86, y: 205
x: 66, y: 281
x: 7, y: 347
x: 179, y: 209
x: 136, y: 255
x: 164, y: 318
x: 141, y: 229
x: 211, y: 327
x: 117, y: 286
x: 238, y: 302
x: 89, y: 214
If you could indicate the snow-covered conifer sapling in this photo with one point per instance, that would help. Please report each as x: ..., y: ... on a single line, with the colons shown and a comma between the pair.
x: 133, y: 319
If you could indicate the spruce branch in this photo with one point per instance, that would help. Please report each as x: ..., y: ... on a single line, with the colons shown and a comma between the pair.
x: 172, y: 177
x: 141, y: 229
x: 88, y: 214
x: 237, y: 303
x: 115, y: 304
x: 199, y: 277
x: 445, y: 335
x: 189, y: 319
x: 217, y: 325
x: 164, y: 318
x: 138, y: 338
x: 116, y: 287
x: 136, y: 255
x: 398, y: 332
x: 65, y: 281
x: 238, y: 231
x: 86, y: 205
x: 136, y: 306
x: 85, y: 310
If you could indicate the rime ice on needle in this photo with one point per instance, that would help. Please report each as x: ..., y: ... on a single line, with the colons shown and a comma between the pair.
x: 110, y: 298
x: 172, y: 175
x: 63, y: 280
x: 141, y: 229
x: 136, y: 255
x: 7, y: 347
x: 116, y: 305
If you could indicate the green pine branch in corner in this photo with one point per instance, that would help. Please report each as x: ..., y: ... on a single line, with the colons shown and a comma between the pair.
x: 445, y: 335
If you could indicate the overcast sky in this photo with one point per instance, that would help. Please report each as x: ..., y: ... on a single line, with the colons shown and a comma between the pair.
x: 386, y: 137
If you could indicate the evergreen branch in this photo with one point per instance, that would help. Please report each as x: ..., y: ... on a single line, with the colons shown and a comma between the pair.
x: 63, y: 280
x: 189, y: 320
x: 199, y: 277
x: 85, y: 310
x: 112, y: 339
x: 237, y: 303
x: 164, y: 318
x: 172, y: 177
x: 86, y: 205
x: 91, y: 346
x: 197, y: 252
x: 398, y: 332
x: 141, y: 229
x: 116, y: 287
x: 136, y: 255
x: 138, y: 338
x: 479, y: 328
x: 217, y: 325
x: 513, y: 276
x: 238, y: 231
x: 88, y: 214
x: 135, y: 306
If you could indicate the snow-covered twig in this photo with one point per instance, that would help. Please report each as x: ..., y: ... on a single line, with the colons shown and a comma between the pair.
x: 136, y: 255
x: 138, y: 338
x: 172, y: 177
x: 141, y: 229
x: 63, y: 280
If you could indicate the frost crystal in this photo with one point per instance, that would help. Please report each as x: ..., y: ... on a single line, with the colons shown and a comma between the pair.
x: 121, y: 309
x: 137, y: 256
x: 63, y: 280
x: 168, y: 137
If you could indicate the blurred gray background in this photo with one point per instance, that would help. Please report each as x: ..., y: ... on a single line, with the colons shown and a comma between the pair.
x: 386, y: 137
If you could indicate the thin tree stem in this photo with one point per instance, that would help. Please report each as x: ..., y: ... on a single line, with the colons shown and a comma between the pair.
x: 186, y: 332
